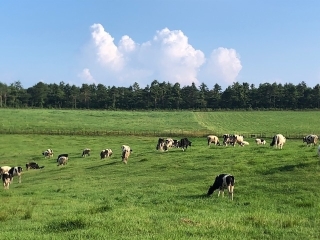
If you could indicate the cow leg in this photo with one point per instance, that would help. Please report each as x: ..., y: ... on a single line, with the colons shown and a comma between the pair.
x: 230, y: 190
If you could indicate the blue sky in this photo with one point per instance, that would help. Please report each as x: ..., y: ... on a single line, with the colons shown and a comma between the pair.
x: 119, y: 42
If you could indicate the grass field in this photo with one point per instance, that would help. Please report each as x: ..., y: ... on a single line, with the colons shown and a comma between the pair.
x: 157, y: 195
x: 267, y: 123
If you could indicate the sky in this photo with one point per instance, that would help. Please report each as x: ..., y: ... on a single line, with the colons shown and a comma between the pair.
x: 120, y: 42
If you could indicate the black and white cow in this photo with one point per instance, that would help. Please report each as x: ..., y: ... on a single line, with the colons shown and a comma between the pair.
x: 6, y: 179
x: 15, y: 171
x: 161, y: 145
x: 184, y: 143
x: 278, y: 140
x: 176, y: 143
x: 105, y: 153
x: 48, y: 153
x: 62, y: 155
x: 33, y: 165
x: 310, y: 139
x: 222, y: 182
x: 86, y: 152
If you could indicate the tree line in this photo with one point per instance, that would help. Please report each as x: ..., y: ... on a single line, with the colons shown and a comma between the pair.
x: 161, y: 96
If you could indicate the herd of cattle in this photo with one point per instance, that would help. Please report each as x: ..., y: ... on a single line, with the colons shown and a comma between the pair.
x: 222, y: 181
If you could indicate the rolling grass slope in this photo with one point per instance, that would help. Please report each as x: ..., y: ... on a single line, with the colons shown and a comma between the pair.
x: 159, y: 195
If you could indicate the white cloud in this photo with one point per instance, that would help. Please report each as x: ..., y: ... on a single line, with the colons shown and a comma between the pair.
x: 107, y: 52
x: 224, y: 65
x: 86, y: 76
x: 168, y: 57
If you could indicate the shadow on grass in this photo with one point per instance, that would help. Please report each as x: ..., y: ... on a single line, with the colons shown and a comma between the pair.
x: 286, y: 168
x: 105, y: 164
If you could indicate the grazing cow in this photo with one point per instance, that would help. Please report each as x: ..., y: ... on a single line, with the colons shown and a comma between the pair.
x: 15, y: 171
x: 310, y: 139
x: 62, y: 160
x: 4, y: 169
x: 278, y: 140
x: 86, y: 152
x: 228, y: 139
x: 6, y: 179
x: 260, y: 141
x: 222, y: 182
x: 105, y: 153
x: 169, y: 142
x: 176, y: 143
x: 33, y: 165
x: 48, y: 153
x: 213, y: 139
x: 161, y: 145
x: 126, y: 150
x: 62, y: 155
x: 238, y: 139
x: 184, y: 143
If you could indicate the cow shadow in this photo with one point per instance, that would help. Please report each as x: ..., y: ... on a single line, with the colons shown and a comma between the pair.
x: 286, y: 168
x: 101, y: 165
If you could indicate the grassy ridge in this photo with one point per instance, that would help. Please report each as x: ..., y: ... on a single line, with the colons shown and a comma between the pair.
x: 159, y: 195
x: 290, y: 123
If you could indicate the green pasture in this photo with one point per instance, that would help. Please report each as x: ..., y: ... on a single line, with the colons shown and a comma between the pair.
x: 157, y: 195
x: 292, y: 124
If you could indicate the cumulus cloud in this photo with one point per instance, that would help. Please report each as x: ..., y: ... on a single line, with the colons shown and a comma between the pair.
x: 224, y: 65
x: 86, y: 76
x: 168, y: 57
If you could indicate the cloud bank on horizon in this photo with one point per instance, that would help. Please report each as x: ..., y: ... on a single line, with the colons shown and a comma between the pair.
x: 167, y: 57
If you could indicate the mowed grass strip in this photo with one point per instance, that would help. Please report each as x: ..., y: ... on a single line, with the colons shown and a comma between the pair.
x: 159, y: 195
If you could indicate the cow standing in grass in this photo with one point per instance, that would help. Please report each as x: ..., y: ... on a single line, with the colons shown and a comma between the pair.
x: 86, y: 152
x: 126, y: 150
x: 310, y: 140
x: 278, y: 140
x: 222, y: 182
x: 213, y: 139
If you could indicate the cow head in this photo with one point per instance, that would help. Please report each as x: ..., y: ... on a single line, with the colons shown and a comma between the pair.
x: 304, y: 139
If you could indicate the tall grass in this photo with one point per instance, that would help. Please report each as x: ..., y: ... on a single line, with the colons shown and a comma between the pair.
x: 159, y: 195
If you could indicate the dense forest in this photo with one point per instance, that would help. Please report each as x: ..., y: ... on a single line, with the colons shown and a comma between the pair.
x: 160, y: 96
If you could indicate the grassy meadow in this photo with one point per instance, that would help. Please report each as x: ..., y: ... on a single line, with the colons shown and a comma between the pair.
x: 159, y: 195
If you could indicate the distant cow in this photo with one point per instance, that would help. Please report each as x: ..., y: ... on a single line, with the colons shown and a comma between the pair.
x: 184, y: 143
x: 213, y: 139
x: 169, y: 142
x: 161, y: 145
x: 222, y: 182
x: 260, y: 141
x: 63, y: 155
x: 176, y: 143
x: 15, y: 171
x: 105, y: 153
x: 278, y: 141
x: 4, y: 169
x: 6, y: 179
x: 86, y: 152
x: 48, y: 153
x: 126, y: 150
x: 33, y: 165
x: 232, y: 139
x: 310, y: 139
x: 62, y: 160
